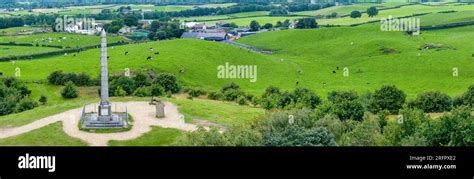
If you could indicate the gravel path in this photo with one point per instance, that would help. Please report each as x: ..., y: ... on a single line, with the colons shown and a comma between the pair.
x: 143, y: 118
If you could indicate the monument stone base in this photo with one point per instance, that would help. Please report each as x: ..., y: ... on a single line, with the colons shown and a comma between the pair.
x: 115, y: 120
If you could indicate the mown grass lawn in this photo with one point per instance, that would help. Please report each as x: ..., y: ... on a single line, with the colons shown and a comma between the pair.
x: 50, y: 135
x: 219, y: 112
x: 158, y: 136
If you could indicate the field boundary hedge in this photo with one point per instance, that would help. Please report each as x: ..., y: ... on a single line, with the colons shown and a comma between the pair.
x: 54, y: 53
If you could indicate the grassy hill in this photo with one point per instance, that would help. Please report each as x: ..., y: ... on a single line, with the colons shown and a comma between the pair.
x: 61, y: 39
x: 398, y: 12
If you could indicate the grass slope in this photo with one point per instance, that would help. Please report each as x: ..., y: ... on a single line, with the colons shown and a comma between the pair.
x: 50, y: 135
x: 156, y: 137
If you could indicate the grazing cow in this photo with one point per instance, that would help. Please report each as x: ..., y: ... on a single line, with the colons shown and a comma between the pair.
x: 297, y: 83
x: 151, y: 49
x: 333, y: 72
x: 181, y: 70
x: 74, y: 55
x: 337, y: 68
x: 126, y: 52
x: 1, y: 73
x: 156, y: 53
x: 149, y: 58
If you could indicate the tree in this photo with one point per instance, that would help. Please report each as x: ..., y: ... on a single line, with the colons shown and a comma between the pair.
x: 126, y: 83
x: 70, y: 91
x: 346, y: 105
x: 306, y: 23
x: 388, y: 97
x: 433, y: 101
x: 295, y: 135
x: 130, y: 20
x: 43, y: 99
x: 365, y: 133
x: 168, y: 81
x: 267, y: 26
x: 356, y: 14
x: 254, y: 26
x: 468, y: 97
x: 372, y: 11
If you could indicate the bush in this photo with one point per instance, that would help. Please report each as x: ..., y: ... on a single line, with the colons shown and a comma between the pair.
x: 195, y: 92
x: 43, y: 99
x: 215, y: 95
x: 7, y: 105
x: 168, y: 81
x: 305, y: 98
x: 232, y: 94
x: 55, y: 78
x: 298, y: 136
x: 141, y: 80
x: 125, y: 83
x: 356, y: 14
x: 120, y: 92
x: 365, y: 133
x: 142, y: 91
x: 70, y: 91
x: 242, y: 100
x: 346, y: 105
x: 389, y: 98
x: 231, y: 86
x: 372, y: 11
x: 83, y: 80
x: 468, y: 97
x: 433, y: 101
x: 157, y: 90
x: 26, y: 104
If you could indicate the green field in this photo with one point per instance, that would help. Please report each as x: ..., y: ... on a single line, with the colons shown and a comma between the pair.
x: 50, y: 135
x: 398, y: 12
x: 15, y: 30
x: 225, y: 17
x: 261, y: 20
x: 170, y: 8
x: 61, y: 39
x: 7, y: 51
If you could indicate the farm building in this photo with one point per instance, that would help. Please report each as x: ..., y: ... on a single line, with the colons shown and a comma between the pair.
x: 205, y: 36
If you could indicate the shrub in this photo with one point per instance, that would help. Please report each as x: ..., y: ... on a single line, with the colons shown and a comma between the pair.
x: 372, y: 11
x: 26, y: 104
x: 231, y: 86
x: 298, y: 136
x: 241, y: 100
x: 141, y: 80
x: 55, y: 78
x: 468, y: 97
x: 346, y: 105
x: 7, y: 105
x: 124, y: 82
x: 142, y: 91
x: 232, y: 94
x: 168, y: 81
x: 43, y: 99
x: 433, y: 101
x: 303, y: 97
x: 356, y: 14
x: 69, y: 91
x: 83, y: 80
x: 365, y: 133
x: 120, y: 92
x: 215, y: 95
x: 389, y: 98
x: 195, y: 92
x: 157, y: 90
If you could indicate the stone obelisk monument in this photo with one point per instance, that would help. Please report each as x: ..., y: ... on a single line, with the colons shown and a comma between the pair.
x: 105, y: 110
x: 105, y: 118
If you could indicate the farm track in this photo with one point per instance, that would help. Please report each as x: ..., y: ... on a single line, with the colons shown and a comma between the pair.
x: 142, y: 113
